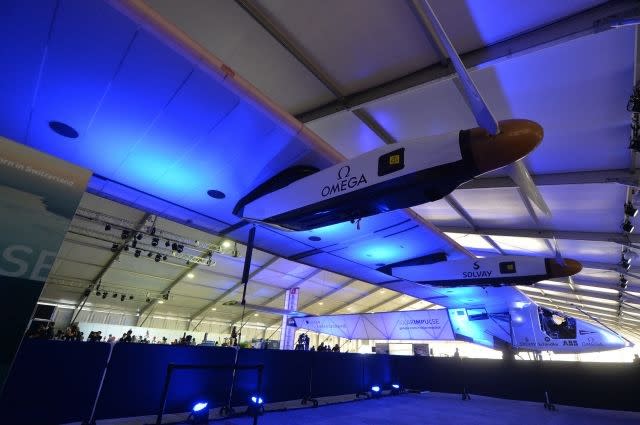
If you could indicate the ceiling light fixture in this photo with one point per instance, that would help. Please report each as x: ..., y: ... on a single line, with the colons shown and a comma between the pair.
x: 64, y: 130
x: 157, y: 259
x: 114, y: 247
x: 630, y: 210
x: 191, y: 275
x: 139, y: 236
x: 154, y: 241
x: 122, y: 297
x: 625, y: 263
x: 634, y: 143
x: 137, y: 253
x: 623, y: 282
x: 216, y: 194
x: 107, y: 227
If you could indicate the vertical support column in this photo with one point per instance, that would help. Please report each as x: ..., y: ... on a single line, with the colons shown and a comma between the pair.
x: 287, y: 333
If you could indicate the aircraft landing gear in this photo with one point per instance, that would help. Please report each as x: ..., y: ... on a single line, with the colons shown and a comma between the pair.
x: 309, y: 400
x: 227, y: 411
x: 547, y: 404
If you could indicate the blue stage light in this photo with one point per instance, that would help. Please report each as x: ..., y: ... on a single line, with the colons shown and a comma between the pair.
x: 375, y: 389
x: 395, y: 386
x: 199, y: 413
x: 199, y: 406
x: 256, y: 400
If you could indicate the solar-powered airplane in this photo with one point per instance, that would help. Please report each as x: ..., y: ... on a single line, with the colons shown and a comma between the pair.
x: 198, y: 144
x: 404, y: 175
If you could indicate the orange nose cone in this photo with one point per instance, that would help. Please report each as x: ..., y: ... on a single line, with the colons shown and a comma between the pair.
x: 557, y: 269
x: 516, y: 139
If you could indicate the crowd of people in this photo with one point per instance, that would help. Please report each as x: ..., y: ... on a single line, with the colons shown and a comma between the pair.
x: 73, y: 333
x: 303, y: 345
x: 47, y: 331
x: 322, y: 347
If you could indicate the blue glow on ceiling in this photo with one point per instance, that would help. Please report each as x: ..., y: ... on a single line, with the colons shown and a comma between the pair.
x: 382, y: 253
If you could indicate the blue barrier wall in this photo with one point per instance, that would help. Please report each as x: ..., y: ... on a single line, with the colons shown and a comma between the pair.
x: 55, y: 382
x: 285, y: 376
x: 336, y: 373
x: 136, y: 376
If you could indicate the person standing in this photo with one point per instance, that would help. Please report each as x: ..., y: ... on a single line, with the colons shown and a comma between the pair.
x: 306, y: 342
x: 234, y: 337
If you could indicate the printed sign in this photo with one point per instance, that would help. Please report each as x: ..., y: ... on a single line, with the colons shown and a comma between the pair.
x: 417, y: 325
x: 39, y: 195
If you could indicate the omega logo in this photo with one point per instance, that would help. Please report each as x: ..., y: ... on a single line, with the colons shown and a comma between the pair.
x: 345, y: 182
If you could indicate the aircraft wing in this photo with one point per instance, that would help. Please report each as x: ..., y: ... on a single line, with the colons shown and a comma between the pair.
x: 168, y: 128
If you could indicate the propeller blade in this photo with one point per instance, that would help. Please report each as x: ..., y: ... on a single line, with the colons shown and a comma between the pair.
x: 483, y: 115
x: 559, y: 258
x: 520, y: 176
x: 485, y: 119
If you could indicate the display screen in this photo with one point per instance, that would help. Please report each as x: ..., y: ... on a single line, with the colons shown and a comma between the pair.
x: 507, y: 267
x: 390, y: 162
x: 477, y: 314
x: 44, y: 311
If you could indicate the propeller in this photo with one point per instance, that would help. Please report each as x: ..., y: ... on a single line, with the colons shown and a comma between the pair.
x: 559, y: 258
x: 485, y: 119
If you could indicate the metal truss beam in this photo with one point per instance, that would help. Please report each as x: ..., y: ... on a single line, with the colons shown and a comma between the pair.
x: 590, y: 21
x: 620, y: 238
x: 231, y: 290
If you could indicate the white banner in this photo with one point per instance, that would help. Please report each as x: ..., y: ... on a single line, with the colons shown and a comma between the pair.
x: 407, y: 325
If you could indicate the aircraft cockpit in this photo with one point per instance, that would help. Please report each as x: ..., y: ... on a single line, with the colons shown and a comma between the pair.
x: 556, y: 325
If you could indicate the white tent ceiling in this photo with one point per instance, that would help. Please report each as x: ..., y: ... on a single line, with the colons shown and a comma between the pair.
x: 358, y: 57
